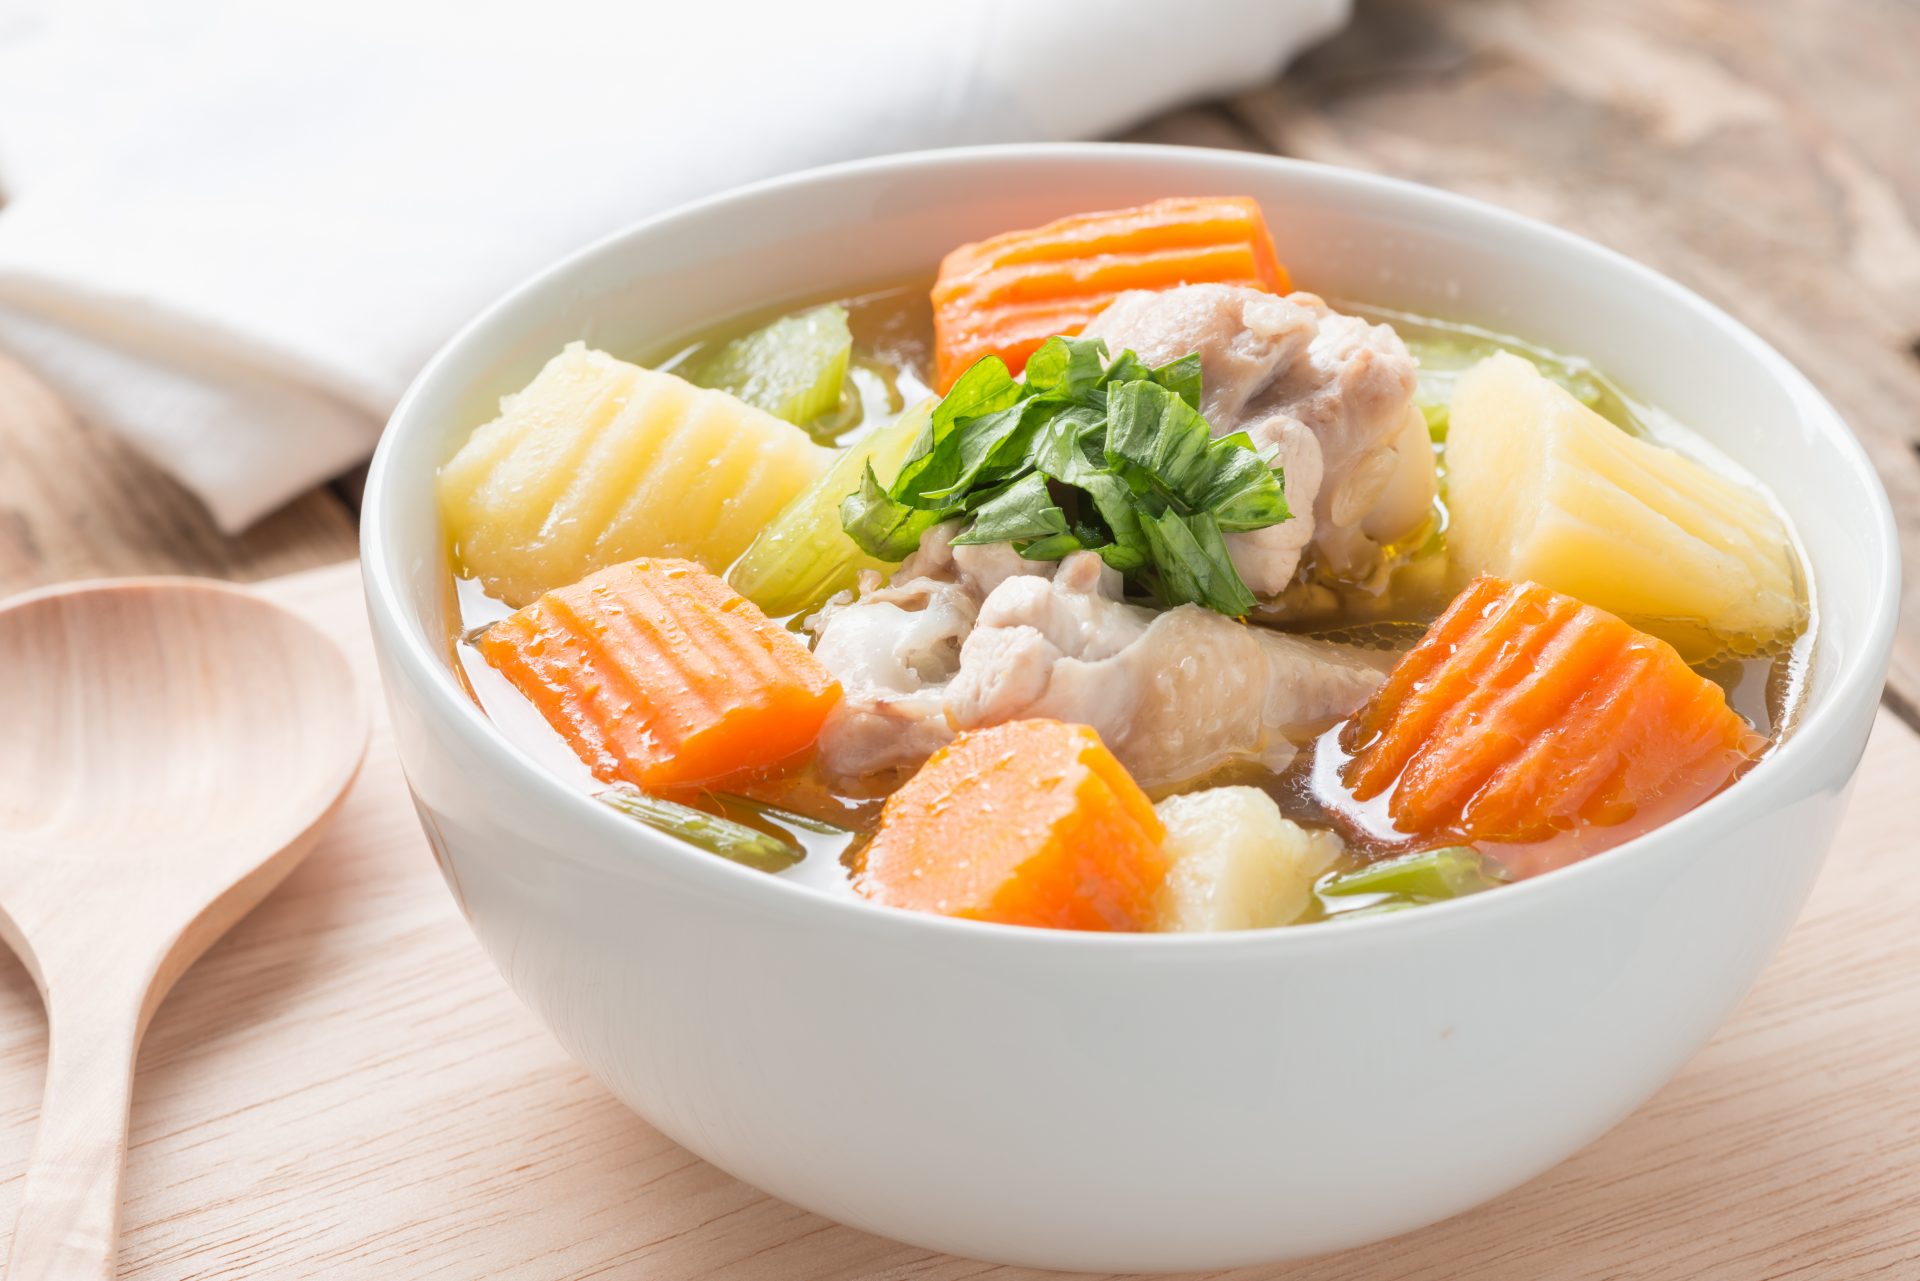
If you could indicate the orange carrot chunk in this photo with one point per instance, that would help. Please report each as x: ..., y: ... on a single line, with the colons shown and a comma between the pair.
x: 1006, y: 295
x: 1525, y: 717
x: 1026, y: 823
x: 659, y: 674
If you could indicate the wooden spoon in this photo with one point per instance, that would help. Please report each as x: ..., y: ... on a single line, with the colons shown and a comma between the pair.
x: 169, y: 749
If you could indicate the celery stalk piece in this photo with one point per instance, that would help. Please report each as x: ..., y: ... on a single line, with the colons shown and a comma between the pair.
x: 749, y: 846
x: 804, y: 556
x: 794, y: 368
x: 1448, y: 872
x: 780, y: 814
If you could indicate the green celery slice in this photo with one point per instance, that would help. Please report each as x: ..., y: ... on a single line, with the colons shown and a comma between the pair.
x: 749, y: 846
x: 794, y: 368
x: 779, y: 814
x: 1431, y: 875
x: 805, y: 556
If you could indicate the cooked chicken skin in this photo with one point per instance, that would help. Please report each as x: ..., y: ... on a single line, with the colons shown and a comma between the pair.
x: 1330, y: 394
x: 1174, y: 695
x: 958, y: 642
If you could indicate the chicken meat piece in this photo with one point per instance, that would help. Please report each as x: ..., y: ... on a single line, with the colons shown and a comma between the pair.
x: 1329, y: 394
x: 1174, y: 695
x: 893, y: 648
x: 973, y: 636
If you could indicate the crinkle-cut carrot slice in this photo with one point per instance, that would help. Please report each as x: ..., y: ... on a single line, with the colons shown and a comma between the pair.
x: 1005, y: 295
x: 659, y: 674
x: 1524, y: 716
x: 1445, y: 676
x: 1024, y: 823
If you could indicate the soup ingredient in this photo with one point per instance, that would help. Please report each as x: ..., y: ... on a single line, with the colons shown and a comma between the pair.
x: 1524, y: 714
x: 1006, y: 295
x: 1085, y: 454
x: 1327, y: 397
x: 1445, y: 351
x: 971, y: 635
x: 1543, y: 488
x: 746, y: 845
x: 893, y: 650
x: 793, y: 368
x: 804, y: 556
x: 597, y: 461
x: 779, y: 816
x: 1426, y: 877
x: 1235, y: 863
x: 1028, y: 823
x: 658, y: 674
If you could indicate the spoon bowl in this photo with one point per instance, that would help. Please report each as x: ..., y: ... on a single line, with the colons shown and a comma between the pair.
x: 174, y: 748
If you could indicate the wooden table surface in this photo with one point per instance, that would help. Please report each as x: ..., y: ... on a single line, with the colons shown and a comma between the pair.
x: 1761, y: 153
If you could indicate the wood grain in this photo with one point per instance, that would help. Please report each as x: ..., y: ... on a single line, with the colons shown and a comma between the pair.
x: 343, y: 1088
x: 77, y: 502
x: 1760, y: 152
x: 151, y: 806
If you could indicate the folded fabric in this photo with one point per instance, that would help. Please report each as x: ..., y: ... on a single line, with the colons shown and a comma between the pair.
x: 235, y: 229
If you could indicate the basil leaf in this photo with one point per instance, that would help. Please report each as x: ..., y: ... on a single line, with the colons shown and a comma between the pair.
x: 1182, y: 378
x: 1193, y: 563
x: 1111, y: 457
x: 1163, y: 436
x: 1067, y: 367
x: 1119, y: 508
x: 954, y: 465
x: 883, y: 527
x: 985, y: 388
x: 1070, y: 440
x: 1053, y: 548
x: 1024, y: 510
x: 1243, y: 492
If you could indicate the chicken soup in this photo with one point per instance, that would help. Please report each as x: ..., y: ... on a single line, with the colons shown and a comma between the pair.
x: 1114, y: 583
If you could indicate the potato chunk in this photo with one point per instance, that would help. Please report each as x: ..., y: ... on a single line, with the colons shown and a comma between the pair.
x: 1542, y: 488
x: 598, y: 461
x: 1235, y: 863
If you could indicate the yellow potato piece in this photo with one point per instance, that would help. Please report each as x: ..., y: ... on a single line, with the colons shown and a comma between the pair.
x: 1233, y: 863
x: 598, y: 461
x: 1540, y: 487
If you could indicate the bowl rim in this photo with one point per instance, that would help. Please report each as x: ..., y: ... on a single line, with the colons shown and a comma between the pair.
x: 1857, y: 678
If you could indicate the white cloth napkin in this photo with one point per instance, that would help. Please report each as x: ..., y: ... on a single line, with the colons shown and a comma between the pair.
x: 235, y: 228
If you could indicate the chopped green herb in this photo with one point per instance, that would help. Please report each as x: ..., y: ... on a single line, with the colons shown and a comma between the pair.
x: 1087, y: 454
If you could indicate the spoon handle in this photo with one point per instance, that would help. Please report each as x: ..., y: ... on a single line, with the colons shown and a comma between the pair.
x: 69, y: 1220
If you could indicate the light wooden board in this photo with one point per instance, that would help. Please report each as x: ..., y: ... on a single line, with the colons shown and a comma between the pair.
x: 344, y: 1088
x: 78, y: 502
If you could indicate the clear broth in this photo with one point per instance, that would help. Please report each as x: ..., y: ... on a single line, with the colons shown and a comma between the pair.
x: 892, y: 368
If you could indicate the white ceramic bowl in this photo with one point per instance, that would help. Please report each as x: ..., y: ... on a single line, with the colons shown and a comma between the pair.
x: 1128, y: 1102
